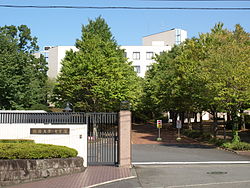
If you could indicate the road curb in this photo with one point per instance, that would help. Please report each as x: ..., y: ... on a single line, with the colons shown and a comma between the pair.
x: 190, y: 163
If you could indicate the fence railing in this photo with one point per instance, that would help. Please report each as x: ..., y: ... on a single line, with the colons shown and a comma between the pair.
x: 57, y: 118
x: 46, y: 118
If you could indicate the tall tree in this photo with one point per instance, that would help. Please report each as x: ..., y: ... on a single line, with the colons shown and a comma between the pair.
x: 209, y: 73
x: 228, y: 73
x: 98, y: 76
x: 22, y: 75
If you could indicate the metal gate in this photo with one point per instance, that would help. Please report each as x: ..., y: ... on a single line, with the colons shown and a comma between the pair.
x: 102, y: 138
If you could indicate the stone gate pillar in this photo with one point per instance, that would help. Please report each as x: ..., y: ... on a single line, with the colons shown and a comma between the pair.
x: 125, y: 138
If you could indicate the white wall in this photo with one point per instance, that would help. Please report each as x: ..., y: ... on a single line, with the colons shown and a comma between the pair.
x: 55, y: 57
x: 143, y: 62
x: 77, y: 138
x: 183, y: 35
x: 167, y: 38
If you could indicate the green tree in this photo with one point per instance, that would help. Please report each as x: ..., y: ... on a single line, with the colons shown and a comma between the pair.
x: 98, y: 76
x: 22, y: 75
x: 209, y: 73
x: 228, y: 73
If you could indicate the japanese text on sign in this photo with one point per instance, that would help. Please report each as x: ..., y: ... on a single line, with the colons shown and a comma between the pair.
x: 49, y: 131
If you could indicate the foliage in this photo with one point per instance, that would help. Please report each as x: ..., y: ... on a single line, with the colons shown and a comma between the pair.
x: 40, y: 107
x: 208, y: 73
x: 160, y: 90
x: 22, y: 75
x: 217, y: 141
x: 98, y: 76
x: 191, y: 133
x: 16, y: 141
x: 34, y: 151
x: 196, y: 134
x: 236, y: 145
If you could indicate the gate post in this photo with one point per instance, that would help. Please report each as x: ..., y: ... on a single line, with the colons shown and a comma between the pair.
x: 125, y: 138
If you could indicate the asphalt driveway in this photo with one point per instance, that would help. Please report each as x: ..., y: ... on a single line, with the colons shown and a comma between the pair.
x: 182, y: 153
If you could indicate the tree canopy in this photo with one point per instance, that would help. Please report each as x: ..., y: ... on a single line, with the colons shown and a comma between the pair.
x: 22, y: 75
x: 98, y: 76
x: 208, y: 73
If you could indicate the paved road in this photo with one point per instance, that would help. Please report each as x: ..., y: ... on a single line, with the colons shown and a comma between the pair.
x: 179, y: 176
x: 181, y: 153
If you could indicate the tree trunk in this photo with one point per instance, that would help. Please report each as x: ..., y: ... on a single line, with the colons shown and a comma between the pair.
x: 236, y: 137
x: 195, y: 118
x: 174, y: 119
x: 201, y: 126
x: 242, y: 120
x: 189, y: 122
x: 215, y: 124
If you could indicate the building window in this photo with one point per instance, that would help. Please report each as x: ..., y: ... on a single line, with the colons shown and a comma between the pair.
x: 149, y: 55
x: 125, y: 54
x: 137, y: 69
x: 178, y: 36
x: 136, y: 55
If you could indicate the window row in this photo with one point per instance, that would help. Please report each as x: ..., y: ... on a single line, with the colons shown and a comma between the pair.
x: 137, y: 55
x: 137, y: 68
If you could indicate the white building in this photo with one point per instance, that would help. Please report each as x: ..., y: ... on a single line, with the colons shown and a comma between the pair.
x: 140, y: 56
x: 55, y: 57
x: 166, y: 38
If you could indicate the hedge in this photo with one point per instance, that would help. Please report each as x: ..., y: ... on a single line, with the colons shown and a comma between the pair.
x: 216, y: 141
x: 34, y: 151
x: 236, y: 145
x: 16, y: 141
x: 196, y: 134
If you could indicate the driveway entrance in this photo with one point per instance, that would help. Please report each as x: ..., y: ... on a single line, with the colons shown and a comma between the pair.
x: 147, y: 134
x: 146, y: 149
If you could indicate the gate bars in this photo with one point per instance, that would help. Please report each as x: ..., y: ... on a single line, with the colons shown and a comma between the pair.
x: 102, y: 138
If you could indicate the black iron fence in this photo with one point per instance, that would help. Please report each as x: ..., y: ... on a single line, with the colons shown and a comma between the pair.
x: 57, y: 118
x: 46, y: 118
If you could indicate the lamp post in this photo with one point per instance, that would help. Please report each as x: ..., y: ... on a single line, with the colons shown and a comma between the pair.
x: 125, y: 105
x: 67, y: 108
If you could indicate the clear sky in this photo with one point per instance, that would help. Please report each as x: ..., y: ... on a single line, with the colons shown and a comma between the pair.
x: 55, y: 27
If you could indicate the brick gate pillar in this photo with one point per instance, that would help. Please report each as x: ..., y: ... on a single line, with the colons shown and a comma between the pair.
x: 125, y: 138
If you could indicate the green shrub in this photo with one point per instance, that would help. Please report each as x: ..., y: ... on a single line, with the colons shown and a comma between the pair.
x: 206, y: 136
x: 16, y: 141
x: 217, y: 141
x: 192, y: 133
x: 40, y: 107
x: 236, y: 145
x: 196, y: 134
x: 34, y: 151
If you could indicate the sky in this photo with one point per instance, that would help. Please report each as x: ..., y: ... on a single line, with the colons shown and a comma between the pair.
x: 61, y: 27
